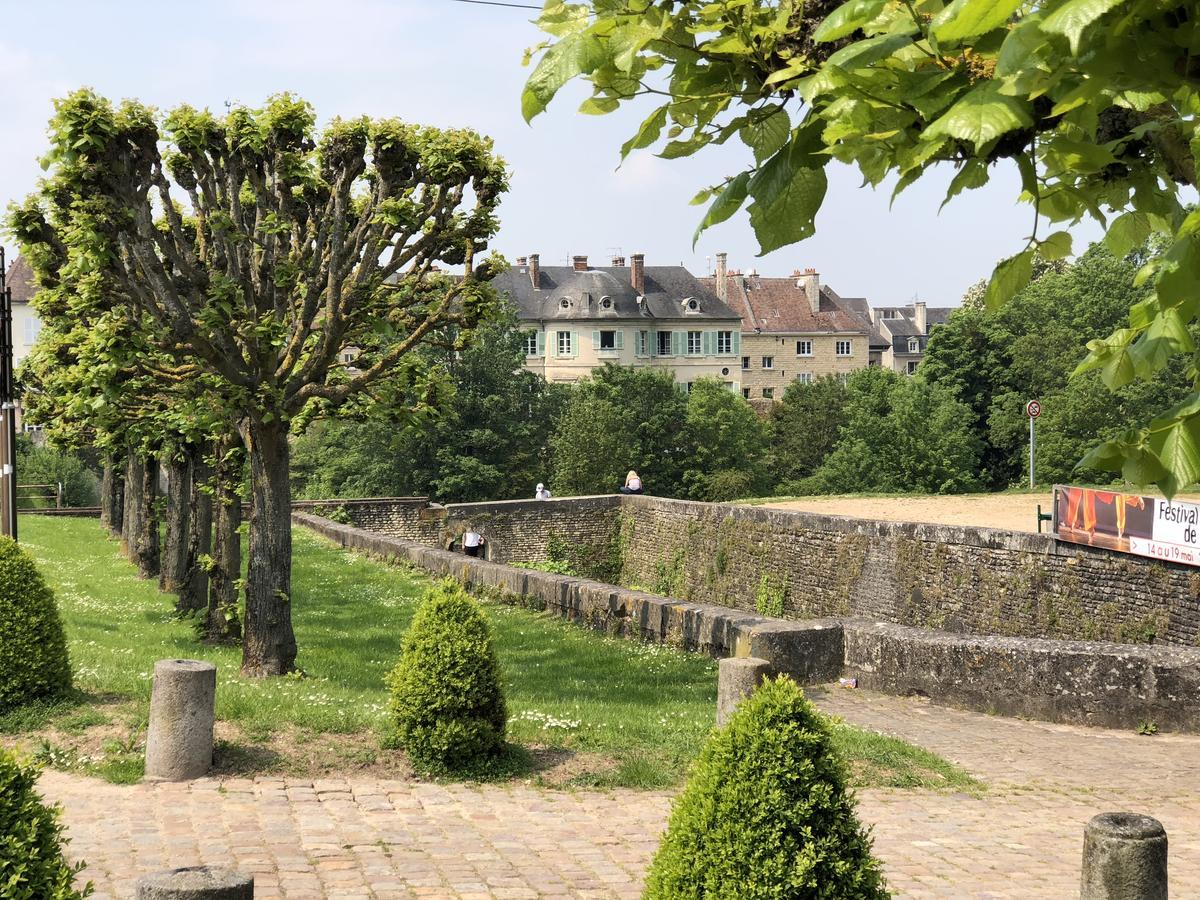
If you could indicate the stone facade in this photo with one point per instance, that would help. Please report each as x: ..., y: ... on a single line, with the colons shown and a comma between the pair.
x: 787, y: 364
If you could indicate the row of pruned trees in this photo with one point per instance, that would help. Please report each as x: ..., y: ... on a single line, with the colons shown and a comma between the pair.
x: 208, y: 281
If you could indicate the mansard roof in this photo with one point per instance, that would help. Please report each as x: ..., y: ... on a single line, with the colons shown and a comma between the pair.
x: 607, y: 293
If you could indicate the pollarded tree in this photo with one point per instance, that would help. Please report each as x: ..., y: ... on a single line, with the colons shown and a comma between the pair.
x: 264, y: 250
x: 1092, y: 101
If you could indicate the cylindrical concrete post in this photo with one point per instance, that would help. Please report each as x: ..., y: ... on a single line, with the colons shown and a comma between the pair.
x: 1124, y: 858
x: 199, y: 883
x: 737, y: 677
x: 179, y: 738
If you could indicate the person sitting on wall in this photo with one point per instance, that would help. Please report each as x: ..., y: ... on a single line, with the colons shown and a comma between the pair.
x: 633, y: 484
x: 472, y: 542
x: 542, y: 493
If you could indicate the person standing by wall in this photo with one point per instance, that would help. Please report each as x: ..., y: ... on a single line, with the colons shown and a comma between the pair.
x: 542, y: 493
x: 472, y: 542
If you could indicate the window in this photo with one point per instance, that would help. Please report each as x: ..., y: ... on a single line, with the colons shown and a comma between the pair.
x: 769, y: 393
x: 804, y: 377
x: 746, y: 393
x: 33, y: 327
x: 729, y: 386
x: 914, y: 345
x: 688, y: 386
x: 692, y: 305
x: 745, y: 362
x: 843, y: 348
x: 564, y: 303
x: 565, y: 344
x: 768, y: 362
x: 889, y: 314
x: 664, y: 343
x: 694, y: 343
x: 804, y: 348
x: 843, y: 377
x: 724, y: 342
x: 31, y: 429
x: 912, y: 366
x: 606, y: 302
x: 608, y: 340
x: 531, y: 343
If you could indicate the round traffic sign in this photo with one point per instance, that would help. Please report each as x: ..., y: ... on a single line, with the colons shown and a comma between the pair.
x: 1033, y: 409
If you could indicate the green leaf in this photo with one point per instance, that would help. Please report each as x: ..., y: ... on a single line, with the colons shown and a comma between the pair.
x: 727, y: 203
x: 648, y: 132
x: 766, y: 136
x: 575, y: 54
x: 1008, y: 278
x: 848, y: 18
x: 1178, y: 449
x: 981, y: 116
x: 1073, y: 17
x: 1126, y: 232
x: 598, y: 106
x: 1166, y: 335
x: 972, y: 175
x: 967, y: 18
x: 1108, y: 457
x: 788, y: 190
x: 1056, y: 246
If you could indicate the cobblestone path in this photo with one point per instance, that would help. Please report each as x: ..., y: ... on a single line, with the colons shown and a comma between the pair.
x: 389, y: 839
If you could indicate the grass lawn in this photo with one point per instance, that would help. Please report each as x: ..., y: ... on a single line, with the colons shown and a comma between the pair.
x: 588, y: 710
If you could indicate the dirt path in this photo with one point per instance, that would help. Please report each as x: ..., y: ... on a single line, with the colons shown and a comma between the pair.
x: 1012, y: 512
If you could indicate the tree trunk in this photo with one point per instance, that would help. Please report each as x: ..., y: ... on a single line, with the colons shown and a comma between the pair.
x: 269, y: 647
x: 108, y: 494
x: 133, y: 506
x: 147, y: 551
x: 221, y: 622
x: 179, y: 497
x: 116, y: 517
x: 193, y: 591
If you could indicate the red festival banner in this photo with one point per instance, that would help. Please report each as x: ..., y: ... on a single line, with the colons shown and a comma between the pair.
x: 1131, y: 523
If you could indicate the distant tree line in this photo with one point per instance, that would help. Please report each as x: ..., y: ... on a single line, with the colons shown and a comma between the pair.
x: 958, y: 425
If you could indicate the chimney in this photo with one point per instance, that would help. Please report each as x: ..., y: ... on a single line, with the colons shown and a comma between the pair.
x: 919, y: 315
x: 637, y: 272
x: 521, y: 261
x: 722, y: 273
x: 618, y: 262
x: 812, y: 288
x: 535, y: 272
x: 580, y: 263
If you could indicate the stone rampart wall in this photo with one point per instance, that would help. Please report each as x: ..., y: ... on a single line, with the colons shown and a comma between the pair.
x: 959, y: 579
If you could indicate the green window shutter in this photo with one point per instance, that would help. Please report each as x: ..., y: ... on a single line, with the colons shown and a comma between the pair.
x: 541, y: 343
x: 575, y: 344
x: 652, y: 336
x: 595, y: 340
x: 706, y: 342
x: 677, y: 339
x: 620, y: 336
x: 737, y: 343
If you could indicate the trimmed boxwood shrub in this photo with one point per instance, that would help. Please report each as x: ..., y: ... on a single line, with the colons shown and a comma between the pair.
x: 766, y: 812
x: 32, y: 866
x: 33, y: 649
x: 446, y: 697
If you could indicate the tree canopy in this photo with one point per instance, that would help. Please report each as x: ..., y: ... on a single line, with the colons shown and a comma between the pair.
x: 1093, y: 101
x: 256, y: 250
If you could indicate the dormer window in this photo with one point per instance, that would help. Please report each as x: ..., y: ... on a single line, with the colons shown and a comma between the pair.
x: 564, y: 303
x: 914, y: 346
x: 606, y: 302
x: 692, y: 304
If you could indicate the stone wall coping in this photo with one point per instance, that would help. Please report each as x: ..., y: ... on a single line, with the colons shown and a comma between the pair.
x: 993, y: 538
x: 1155, y: 654
x: 465, y: 509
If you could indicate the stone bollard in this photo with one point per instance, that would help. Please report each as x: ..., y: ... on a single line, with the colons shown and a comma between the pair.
x: 1124, y: 858
x: 179, y: 738
x: 737, y: 677
x: 198, y: 883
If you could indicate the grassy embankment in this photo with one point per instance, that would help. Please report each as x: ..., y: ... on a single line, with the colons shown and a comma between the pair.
x: 586, y: 710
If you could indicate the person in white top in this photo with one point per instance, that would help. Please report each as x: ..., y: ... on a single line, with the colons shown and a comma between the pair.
x: 472, y: 540
x: 542, y: 493
x: 633, y: 484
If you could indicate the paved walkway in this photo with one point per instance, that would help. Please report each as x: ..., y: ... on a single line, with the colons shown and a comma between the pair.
x: 391, y: 839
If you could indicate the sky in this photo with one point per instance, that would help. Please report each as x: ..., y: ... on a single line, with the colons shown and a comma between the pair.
x: 446, y: 63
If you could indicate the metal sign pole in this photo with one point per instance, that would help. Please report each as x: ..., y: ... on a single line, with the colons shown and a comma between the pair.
x: 8, y: 412
x: 1032, y: 446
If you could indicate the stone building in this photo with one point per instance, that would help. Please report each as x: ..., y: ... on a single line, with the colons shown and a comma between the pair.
x: 575, y: 318
x: 793, y: 328
x: 906, y: 330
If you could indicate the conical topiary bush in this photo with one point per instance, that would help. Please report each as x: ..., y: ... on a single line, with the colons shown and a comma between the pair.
x: 766, y: 813
x: 32, y: 866
x: 446, y: 696
x: 33, y: 648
